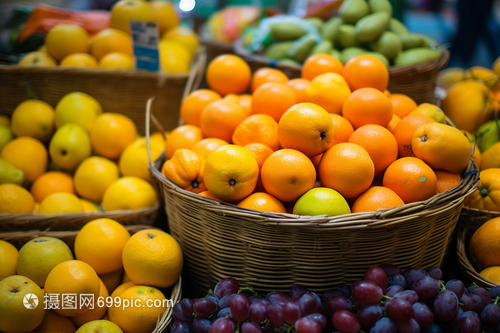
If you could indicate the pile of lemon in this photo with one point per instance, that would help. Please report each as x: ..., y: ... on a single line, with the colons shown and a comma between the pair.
x: 69, y: 45
x: 109, y: 266
x: 73, y: 159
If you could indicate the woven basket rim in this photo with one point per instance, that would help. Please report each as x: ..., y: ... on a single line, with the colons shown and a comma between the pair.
x: 468, y: 209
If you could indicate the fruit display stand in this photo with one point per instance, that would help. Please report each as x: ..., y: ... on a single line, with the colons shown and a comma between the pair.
x: 272, y: 251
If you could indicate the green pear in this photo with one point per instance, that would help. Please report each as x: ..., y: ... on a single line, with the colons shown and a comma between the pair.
x: 69, y: 146
x: 5, y: 136
x: 97, y: 326
x: 487, y: 135
x: 10, y: 174
x: 77, y: 108
x: 321, y: 201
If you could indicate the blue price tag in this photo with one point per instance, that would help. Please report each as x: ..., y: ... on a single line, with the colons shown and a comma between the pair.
x: 145, y: 38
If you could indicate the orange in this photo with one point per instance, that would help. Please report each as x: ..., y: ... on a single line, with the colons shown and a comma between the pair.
x: 233, y: 98
x: 316, y: 160
x: 8, y: 259
x: 37, y: 59
x: 402, y: 104
x: 306, y: 127
x: 72, y: 277
x: 79, y: 60
x: 411, y: 179
x: 33, y: 118
x: 491, y: 273
x: 193, y: 105
x: 245, y: 101
x: 129, y: 192
x: 66, y: 39
x: 109, y: 41
x: 484, y: 245
x: 347, y: 168
x: 299, y: 87
x: 442, y: 147
x: 141, y: 318
x: 220, y: 118
x: 121, y: 288
x: 125, y: 10
x: 51, y: 182
x: 164, y: 13
x: 367, y: 106
x: 446, y: 180
x: 380, y: 144
x: 491, y: 157
x: 228, y: 74
x: 259, y: 128
x: 394, y: 121
x: 432, y: 111
x: 231, y: 173
x: 112, y: 280
x: 117, y: 61
x: 152, y: 257
x: 342, y: 128
x: 262, y: 202
x: 111, y: 134
x: 185, y: 169
x: 273, y: 99
x: 487, y: 194
x: 100, y: 244
x: 260, y: 151
x: 287, y: 174
x: 404, y: 130
x: 366, y: 71
x: 320, y: 64
x: 210, y: 195
x: 15, y: 199
x: 330, y: 91
x: 97, y: 312
x: 185, y: 136
x: 375, y: 198
x: 93, y: 176
x: 266, y: 75
x: 27, y: 154
x: 205, y: 147
x: 54, y: 322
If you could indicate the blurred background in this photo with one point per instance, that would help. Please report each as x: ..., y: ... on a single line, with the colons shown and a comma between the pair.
x: 470, y: 28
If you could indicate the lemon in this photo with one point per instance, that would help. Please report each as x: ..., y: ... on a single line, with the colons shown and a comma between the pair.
x: 129, y: 193
x: 8, y: 259
x: 78, y: 108
x: 79, y: 60
x: 93, y: 176
x: 60, y: 203
x: 38, y: 58
x: 185, y: 36
x: 89, y: 206
x: 164, y: 15
x: 174, y: 56
x: 33, y: 118
x: 15, y: 199
x: 118, y: 61
x: 134, y: 159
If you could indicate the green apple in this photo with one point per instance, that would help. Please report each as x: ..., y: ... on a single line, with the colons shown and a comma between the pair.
x: 77, y: 108
x: 38, y: 256
x: 11, y: 174
x: 5, y: 136
x: 98, y: 326
x: 69, y: 146
x: 321, y: 201
x: 487, y: 135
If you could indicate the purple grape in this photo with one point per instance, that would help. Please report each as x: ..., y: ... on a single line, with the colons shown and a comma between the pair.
x: 384, y: 325
x: 433, y: 328
x: 187, y: 307
x: 222, y: 325
x: 345, y: 321
x: 426, y: 288
x: 412, y: 275
x: 226, y: 300
x: 319, y: 318
x: 396, y: 280
x: 445, y: 306
x: 398, y: 309
x: 180, y: 327
x: 408, y: 326
x: 472, y: 302
x: 277, y: 297
x: 490, y: 314
x: 494, y: 292
x: 178, y: 314
x: 456, y: 286
x: 331, y: 293
x: 308, y: 303
x: 377, y: 275
x: 368, y: 315
x: 434, y: 272
x: 307, y: 325
x: 275, y: 314
x: 390, y: 269
x: 345, y: 290
x: 269, y: 328
x: 291, y: 312
x: 393, y: 290
x: 239, y: 307
x: 225, y: 313
x: 296, y: 291
x: 469, y: 322
x: 367, y: 292
x: 257, y: 312
x: 422, y: 314
x: 201, y: 325
x: 249, y: 327
x: 471, y: 288
x: 337, y: 303
x: 205, y: 307
x: 483, y: 294
x: 253, y: 298
x: 408, y: 295
x: 225, y: 287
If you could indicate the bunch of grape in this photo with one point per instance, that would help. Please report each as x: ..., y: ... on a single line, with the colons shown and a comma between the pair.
x: 385, y: 300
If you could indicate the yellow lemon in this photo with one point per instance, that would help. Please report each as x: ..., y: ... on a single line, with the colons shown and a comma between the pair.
x: 164, y: 14
x: 174, y: 56
x: 185, y: 36
x: 111, y: 40
x: 93, y: 176
x: 60, y: 203
x: 79, y: 60
x: 134, y: 159
x: 125, y: 10
x: 33, y: 118
x: 117, y: 60
x: 8, y: 259
x: 430, y: 110
x: 27, y: 154
x: 129, y: 193
x: 89, y: 206
x: 37, y: 58
x: 78, y: 108
x: 15, y: 199
x: 65, y: 39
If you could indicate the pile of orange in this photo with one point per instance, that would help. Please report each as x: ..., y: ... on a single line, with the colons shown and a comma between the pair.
x: 261, y: 141
x: 106, y: 262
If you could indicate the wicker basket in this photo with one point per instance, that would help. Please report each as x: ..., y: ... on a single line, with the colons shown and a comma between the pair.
x: 416, y: 81
x: 472, y: 218
x: 123, y: 92
x: 273, y: 251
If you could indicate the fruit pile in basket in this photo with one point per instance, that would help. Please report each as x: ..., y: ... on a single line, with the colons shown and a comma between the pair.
x: 73, y: 159
x: 44, y: 285
x: 384, y: 300
x: 69, y: 45
x: 330, y: 143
